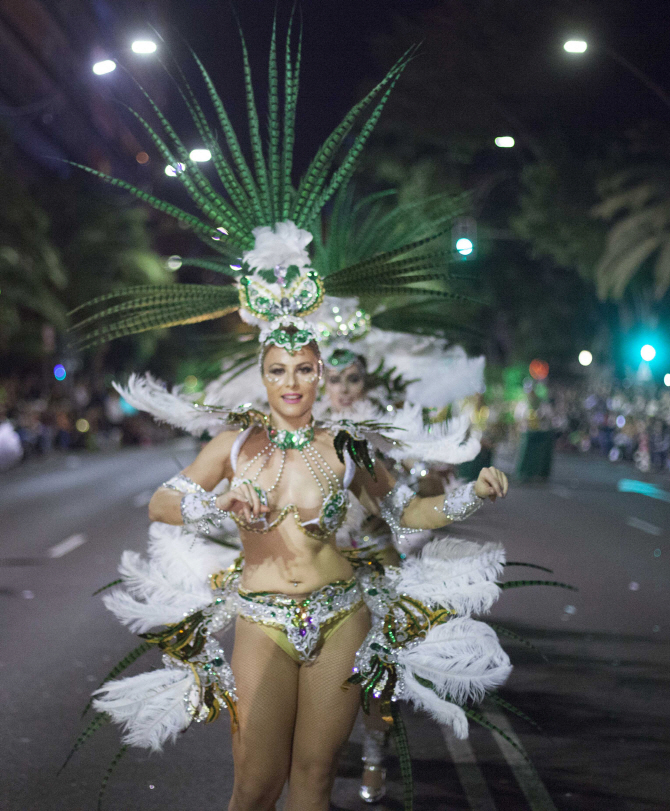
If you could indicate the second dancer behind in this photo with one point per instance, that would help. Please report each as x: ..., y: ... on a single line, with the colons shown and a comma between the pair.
x: 301, y: 617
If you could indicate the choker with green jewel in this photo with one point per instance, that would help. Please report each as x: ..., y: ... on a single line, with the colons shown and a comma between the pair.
x: 287, y: 440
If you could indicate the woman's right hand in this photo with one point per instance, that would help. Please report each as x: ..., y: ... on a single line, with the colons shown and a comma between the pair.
x: 242, y: 500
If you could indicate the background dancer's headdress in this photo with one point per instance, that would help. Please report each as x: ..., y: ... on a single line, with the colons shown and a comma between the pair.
x: 260, y: 223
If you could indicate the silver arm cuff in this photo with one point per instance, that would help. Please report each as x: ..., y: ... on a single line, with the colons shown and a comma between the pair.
x: 393, y: 506
x: 461, y: 502
x: 200, y: 513
x: 183, y: 484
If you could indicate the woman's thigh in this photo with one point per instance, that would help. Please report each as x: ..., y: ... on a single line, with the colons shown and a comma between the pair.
x: 327, y: 712
x: 266, y: 679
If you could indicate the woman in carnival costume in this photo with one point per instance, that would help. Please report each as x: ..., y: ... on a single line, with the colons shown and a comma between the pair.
x: 307, y: 617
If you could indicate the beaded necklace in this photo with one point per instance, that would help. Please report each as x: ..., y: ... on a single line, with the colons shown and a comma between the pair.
x: 334, y: 501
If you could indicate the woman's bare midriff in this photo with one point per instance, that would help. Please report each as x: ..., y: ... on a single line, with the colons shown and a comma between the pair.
x: 288, y: 561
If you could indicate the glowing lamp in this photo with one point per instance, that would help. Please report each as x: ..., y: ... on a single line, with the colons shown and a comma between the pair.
x: 504, y: 141
x: 200, y: 155
x: 585, y: 357
x: 104, y: 66
x: 464, y: 246
x: 575, y: 46
x: 144, y: 46
x: 647, y: 352
x: 539, y: 369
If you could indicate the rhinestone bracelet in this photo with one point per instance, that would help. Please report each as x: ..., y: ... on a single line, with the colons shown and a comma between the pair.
x: 461, y: 502
x: 200, y: 513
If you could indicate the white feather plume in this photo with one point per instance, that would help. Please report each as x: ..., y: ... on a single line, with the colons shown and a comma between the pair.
x: 173, y: 582
x: 443, y: 375
x: 458, y: 575
x: 442, y: 711
x: 145, y: 393
x: 450, y: 443
x: 462, y: 658
x: 246, y: 387
x: 150, y: 706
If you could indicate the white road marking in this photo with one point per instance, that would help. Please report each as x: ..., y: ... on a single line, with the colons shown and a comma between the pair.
x: 469, y: 774
x: 529, y: 782
x: 645, y: 526
x: 66, y: 546
x: 143, y: 498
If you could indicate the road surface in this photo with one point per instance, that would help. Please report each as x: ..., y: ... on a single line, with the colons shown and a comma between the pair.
x: 601, y: 695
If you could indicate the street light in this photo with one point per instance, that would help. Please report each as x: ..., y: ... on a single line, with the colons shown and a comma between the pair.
x: 144, y: 46
x: 666, y: 380
x: 104, y: 66
x: 464, y: 246
x: 585, y: 357
x: 504, y: 141
x: 647, y: 352
x: 200, y: 155
x: 575, y: 46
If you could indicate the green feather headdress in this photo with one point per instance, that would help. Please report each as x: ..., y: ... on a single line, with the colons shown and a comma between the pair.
x: 248, y: 198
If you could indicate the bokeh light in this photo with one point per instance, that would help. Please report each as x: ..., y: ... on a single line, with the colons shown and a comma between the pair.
x: 104, y: 66
x: 142, y: 157
x: 144, y: 46
x: 575, y: 46
x: 172, y: 170
x: 666, y: 379
x: 174, y: 262
x: 504, y: 141
x: 585, y: 357
x: 200, y: 155
x: 464, y: 246
x: 647, y: 352
x: 82, y: 425
x: 59, y: 371
x: 539, y: 369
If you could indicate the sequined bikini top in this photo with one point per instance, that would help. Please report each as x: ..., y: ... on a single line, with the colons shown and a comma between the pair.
x: 335, y: 501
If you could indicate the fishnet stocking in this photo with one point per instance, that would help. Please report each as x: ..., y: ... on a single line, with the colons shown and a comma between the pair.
x: 267, y: 690
x: 325, y: 716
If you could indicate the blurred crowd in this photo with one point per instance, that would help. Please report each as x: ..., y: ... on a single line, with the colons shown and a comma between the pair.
x: 38, y: 418
x: 620, y: 421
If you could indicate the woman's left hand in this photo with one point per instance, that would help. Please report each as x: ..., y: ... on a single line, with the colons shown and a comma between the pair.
x: 491, y: 483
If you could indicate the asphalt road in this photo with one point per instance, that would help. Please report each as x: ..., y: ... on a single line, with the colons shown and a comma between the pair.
x: 601, y: 695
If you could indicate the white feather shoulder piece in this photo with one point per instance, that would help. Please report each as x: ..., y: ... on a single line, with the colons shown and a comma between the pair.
x: 145, y: 393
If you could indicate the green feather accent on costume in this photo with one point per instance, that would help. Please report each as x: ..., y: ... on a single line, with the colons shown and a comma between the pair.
x: 103, y: 786
x: 346, y: 168
x: 478, y: 718
x: 98, y: 721
x: 512, y: 584
x: 255, y: 136
x: 529, y: 565
x: 246, y: 178
x: 502, y: 631
x: 133, y: 656
x: 404, y: 757
x: 203, y: 230
x: 291, y: 82
x: 315, y: 178
x: 108, y: 586
x: 273, y: 126
x: 496, y: 699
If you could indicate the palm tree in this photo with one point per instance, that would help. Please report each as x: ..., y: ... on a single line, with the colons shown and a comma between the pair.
x: 637, y: 205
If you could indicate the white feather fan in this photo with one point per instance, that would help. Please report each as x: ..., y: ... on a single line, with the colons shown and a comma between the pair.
x: 459, y: 575
x: 462, y: 658
x: 150, y: 706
